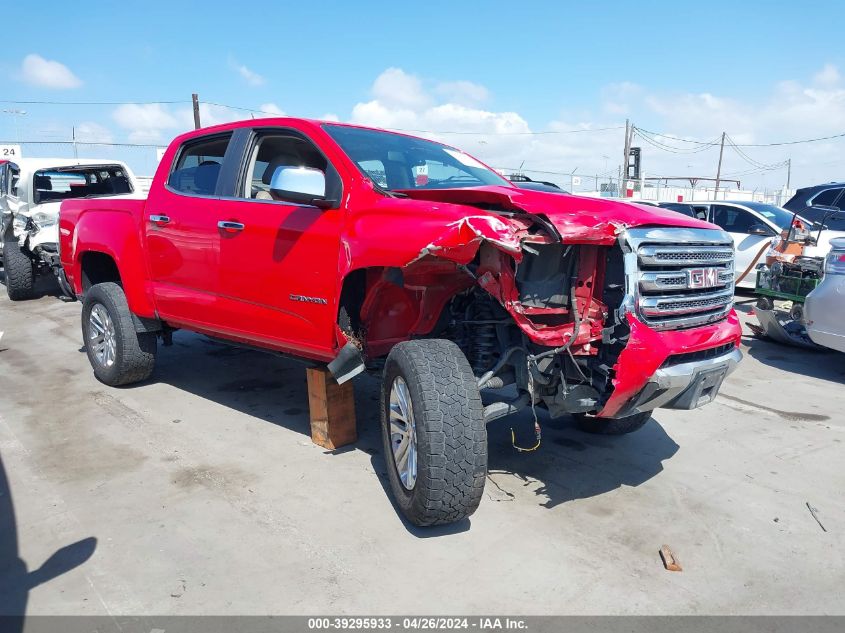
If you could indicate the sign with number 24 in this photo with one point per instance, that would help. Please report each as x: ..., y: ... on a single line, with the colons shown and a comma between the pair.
x: 10, y: 152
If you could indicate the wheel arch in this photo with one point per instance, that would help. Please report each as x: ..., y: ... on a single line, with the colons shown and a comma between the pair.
x: 384, y: 305
x: 96, y: 266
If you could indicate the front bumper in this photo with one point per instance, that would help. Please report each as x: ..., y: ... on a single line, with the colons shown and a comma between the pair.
x: 647, y: 376
x: 686, y: 385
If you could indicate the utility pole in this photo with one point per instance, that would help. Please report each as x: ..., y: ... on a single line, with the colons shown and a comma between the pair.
x: 624, y: 175
x: 73, y: 136
x: 788, y: 171
x: 195, y: 98
x: 719, y: 168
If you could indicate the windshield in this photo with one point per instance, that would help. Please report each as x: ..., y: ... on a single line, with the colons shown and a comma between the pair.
x: 832, y: 219
x: 396, y: 162
x: 79, y: 182
x: 777, y: 215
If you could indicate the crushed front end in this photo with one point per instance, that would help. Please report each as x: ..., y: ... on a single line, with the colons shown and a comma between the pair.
x: 580, y: 305
x: 605, y: 330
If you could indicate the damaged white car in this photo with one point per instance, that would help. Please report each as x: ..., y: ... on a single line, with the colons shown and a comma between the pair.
x: 31, y: 192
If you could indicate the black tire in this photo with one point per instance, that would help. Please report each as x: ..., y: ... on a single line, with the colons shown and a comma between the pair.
x: 451, y: 436
x: 611, y: 426
x: 134, y: 353
x: 20, y: 272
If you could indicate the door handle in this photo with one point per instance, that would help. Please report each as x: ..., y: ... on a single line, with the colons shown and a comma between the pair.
x: 159, y: 220
x: 230, y: 227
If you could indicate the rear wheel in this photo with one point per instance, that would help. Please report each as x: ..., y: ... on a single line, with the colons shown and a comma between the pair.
x: 433, y: 431
x: 611, y: 426
x: 118, y: 354
x: 20, y: 272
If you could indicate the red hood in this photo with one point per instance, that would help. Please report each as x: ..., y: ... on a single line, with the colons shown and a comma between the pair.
x: 575, y: 217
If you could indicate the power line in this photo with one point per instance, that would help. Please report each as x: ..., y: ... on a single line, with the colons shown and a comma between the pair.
x: 760, y: 167
x: 678, y: 138
x: 669, y: 148
x: 751, y: 172
x: 806, y: 140
x: 87, y: 103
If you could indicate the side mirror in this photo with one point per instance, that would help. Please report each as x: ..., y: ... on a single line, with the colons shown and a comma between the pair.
x: 303, y: 185
x: 760, y: 229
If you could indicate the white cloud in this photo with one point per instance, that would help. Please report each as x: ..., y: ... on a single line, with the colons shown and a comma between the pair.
x: 827, y: 76
x: 146, y: 123
x: 47, y: 73
x: 396, y: 88
x: 463, y: 92
x: 90, y: 132
x: 501, y: 139
x: 330, y: 116
x: 251, y: 77
x: 377, y: 114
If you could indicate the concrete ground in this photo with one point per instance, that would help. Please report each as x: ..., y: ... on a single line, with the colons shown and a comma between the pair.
x: 199, y: 492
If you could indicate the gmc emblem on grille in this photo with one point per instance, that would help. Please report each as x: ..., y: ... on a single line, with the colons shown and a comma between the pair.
x: 702, y: 277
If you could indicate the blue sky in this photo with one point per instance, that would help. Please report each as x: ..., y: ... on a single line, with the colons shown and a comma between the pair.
x: 686, y: 69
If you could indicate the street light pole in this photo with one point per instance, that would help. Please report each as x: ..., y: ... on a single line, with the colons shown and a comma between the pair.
x: 15, y: 114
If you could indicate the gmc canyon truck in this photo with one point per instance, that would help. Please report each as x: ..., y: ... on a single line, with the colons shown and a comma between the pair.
x: 370, y: 250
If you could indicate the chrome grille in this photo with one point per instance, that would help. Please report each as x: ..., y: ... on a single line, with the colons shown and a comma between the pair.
x: 683, y: 277
x: 667, y: 255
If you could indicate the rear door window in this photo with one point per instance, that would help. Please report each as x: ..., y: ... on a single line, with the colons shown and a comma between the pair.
x: 828, y: 197
x: 197, y: 169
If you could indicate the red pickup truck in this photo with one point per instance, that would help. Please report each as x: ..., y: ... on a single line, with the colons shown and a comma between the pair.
x: 370, y: 250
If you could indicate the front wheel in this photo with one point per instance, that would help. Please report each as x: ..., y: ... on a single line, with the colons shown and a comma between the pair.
x: 433, y: 432
x: 20, y: 272
x: 611, y: 426
x: 118, y: 354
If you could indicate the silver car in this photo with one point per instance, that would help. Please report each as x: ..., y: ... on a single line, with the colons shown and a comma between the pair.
x: 824, y: 307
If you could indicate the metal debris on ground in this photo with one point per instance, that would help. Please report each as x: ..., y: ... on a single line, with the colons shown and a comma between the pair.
x: 779, y: 326
x: 816, y: 516
x: 669, y: 560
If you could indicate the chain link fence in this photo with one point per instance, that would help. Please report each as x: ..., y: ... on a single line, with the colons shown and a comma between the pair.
x: 652, y: 190
x: 142, y: 159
